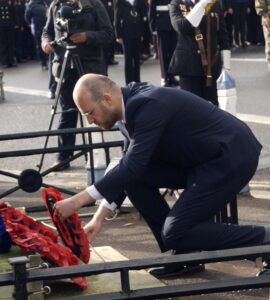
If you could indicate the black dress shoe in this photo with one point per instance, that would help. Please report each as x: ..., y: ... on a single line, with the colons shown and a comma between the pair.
x: 175, y: 270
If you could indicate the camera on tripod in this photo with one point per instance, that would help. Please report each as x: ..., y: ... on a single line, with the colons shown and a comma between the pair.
x: 67, y: 20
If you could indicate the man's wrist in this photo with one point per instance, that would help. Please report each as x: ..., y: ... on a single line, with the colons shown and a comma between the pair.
x: 82, y: 199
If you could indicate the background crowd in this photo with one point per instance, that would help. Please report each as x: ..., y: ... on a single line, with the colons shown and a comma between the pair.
x: 21, y: 25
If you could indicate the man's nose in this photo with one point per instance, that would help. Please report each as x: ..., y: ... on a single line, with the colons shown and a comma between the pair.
x: 90, y: 120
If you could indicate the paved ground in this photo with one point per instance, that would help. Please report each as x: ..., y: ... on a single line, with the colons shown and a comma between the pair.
x: 27, y: 109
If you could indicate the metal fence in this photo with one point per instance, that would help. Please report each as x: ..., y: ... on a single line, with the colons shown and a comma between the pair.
x: 30, y: 180
x: 20, y: 276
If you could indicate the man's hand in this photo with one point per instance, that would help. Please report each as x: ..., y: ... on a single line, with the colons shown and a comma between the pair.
x: 67, y: 207
x: 92, y: 229
x: 47, y: 47
x: 120, y: 41
x: 94, y: 226
x: 79, y: 37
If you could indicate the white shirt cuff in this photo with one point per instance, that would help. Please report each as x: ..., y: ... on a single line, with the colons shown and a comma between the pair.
x: 95, y: 194
x: 111, y: 206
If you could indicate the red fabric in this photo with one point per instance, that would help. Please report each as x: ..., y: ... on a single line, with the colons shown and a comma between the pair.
x: 70, y: 230
x: 32, y: 236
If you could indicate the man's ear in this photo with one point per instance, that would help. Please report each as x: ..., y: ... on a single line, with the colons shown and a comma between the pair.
x: 107, y: 98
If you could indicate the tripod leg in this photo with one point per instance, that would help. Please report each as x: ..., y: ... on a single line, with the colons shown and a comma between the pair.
x: 78, y: 65
x: 54, y: 106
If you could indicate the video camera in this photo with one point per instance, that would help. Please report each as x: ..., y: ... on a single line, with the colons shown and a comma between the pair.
x: 67, y: 20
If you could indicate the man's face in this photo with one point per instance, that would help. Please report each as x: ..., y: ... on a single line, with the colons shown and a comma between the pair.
x: 100, y: 112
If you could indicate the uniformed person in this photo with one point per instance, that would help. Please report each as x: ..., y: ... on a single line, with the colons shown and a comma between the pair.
x: 109, y: 51
x: 7, y: 27
x: 19, y: 7
x: 201, y: 36
x: 129, y: 33
x: 160, y: 23
x: 263, y: 9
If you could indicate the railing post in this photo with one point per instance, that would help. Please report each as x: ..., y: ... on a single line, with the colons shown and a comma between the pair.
x: 20, y: 277
x: 125, y: 281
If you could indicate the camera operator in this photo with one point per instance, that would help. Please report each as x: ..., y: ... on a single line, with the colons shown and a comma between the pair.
x: 86, y: 25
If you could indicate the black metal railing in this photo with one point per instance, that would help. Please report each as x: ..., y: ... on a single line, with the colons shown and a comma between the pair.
x: 21, y: 276
x: 30, y: 180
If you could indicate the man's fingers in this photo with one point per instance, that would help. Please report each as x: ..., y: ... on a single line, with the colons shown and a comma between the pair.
x: 91, y: 237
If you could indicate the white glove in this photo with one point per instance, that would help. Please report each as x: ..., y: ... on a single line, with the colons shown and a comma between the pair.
x: 197, y: 12
x: 226, y: 59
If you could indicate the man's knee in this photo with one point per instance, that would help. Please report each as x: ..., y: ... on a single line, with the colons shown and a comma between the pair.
x: 172, y: 233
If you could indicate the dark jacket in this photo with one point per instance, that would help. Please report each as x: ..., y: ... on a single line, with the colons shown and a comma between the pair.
x: 93, y: 20
x: 186, y: 59
x: 160, y: 19
x: 35, y: 13
x: 129, y: 19
x: 177, y: 129
x: 7, y: 13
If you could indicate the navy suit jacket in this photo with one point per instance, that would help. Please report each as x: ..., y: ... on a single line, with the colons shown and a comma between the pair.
x: 180, y: 130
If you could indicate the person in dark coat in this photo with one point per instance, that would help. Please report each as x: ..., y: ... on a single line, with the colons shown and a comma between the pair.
x: 228, y: 16
x: 177, y: 140
x: 36, y: 16
x: 129, y: 24
x: 109, y: 50
x: 197, y: 57
x: 93, y: 33
x: 160, y: 23
x: 241, y: 8
x: 7, y: 33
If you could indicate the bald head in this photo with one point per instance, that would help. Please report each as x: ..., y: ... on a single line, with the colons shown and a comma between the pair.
x: 94, y: 85
x: 99, y: 99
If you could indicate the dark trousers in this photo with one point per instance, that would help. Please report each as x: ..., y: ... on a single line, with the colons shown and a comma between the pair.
x: 197, y: 86
x: 186, y: 226
x: 239, y: 22
x: 69, y: 115
x: 229, y: 27
x: 7, y: 45
x: 42, y: 56
x: 166, y: 46
x: 132, y: 54
x: 52, y: 83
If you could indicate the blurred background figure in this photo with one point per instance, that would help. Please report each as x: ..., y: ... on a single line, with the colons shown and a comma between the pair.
x: 7, y: 33
x: 254, y: 28
x: 129, y: 24
x: 241, y: 8
x: 263, y: 10
x: 228, y: 16
x: 36, y: 16
x: 160, y: 24
x: 202, y: 36
x: 109, y: 50
x: 21, y: 25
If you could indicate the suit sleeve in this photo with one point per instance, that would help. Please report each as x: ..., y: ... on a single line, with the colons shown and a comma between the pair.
x: 48, y: 33
x: 149, y: 123
x: 118, y: 19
